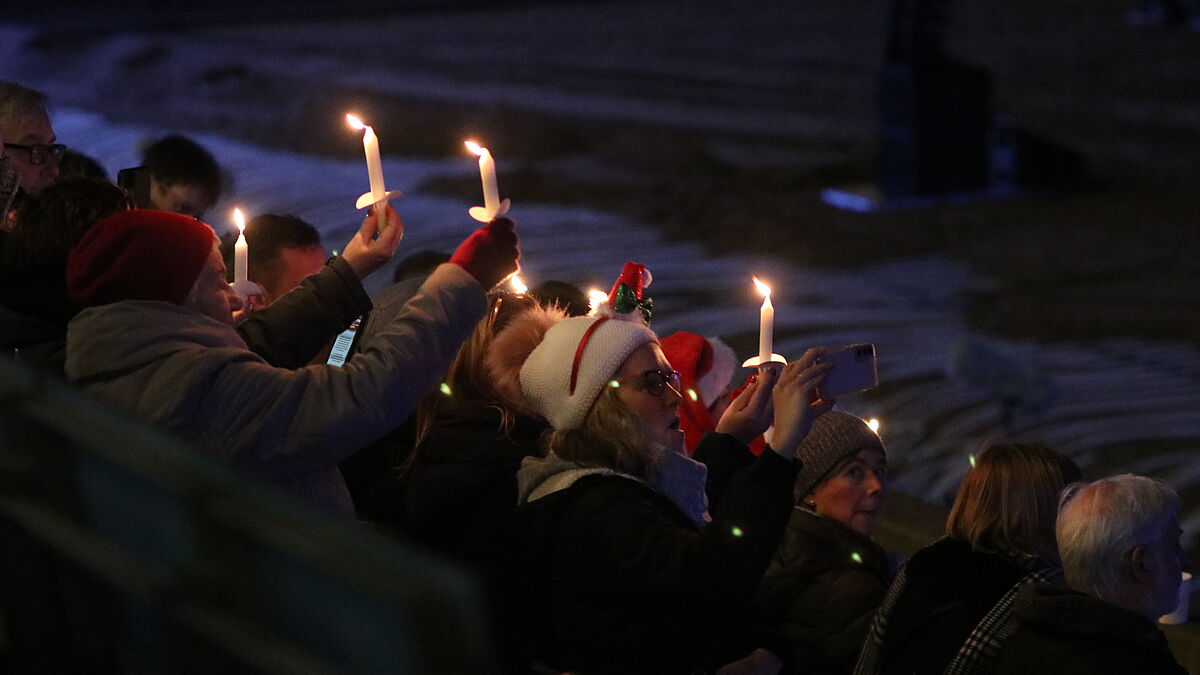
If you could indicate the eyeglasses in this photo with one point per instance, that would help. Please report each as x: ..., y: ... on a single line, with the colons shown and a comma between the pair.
x: 654, y: 382
x: 39, y: 151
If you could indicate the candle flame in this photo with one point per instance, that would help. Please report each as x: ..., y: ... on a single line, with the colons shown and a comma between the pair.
x: 475, y: 147
x: 762, y: 288
x: 595, y: 297
x: 239, y: 220
x: 874, y: 424
x: 518, y: 284
x: 354, y: 122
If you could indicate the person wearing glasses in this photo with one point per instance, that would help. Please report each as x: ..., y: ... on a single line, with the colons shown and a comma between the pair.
x: 614, y: 564
x: 29, y: 141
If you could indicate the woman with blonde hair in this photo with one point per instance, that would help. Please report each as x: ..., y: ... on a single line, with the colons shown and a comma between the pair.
x: 617, y: 567
x: 946, y: 609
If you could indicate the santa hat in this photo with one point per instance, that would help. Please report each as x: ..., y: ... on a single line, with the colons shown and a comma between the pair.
x: 577, y: 358
x: 138, y: 255
x: 705, y: 367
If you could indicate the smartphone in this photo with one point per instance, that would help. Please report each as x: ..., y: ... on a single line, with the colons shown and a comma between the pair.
x: 136, y: 182
x: 853, y: 370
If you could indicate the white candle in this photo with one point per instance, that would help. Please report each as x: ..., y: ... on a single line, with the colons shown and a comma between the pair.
x: 766, y: 324
x: 241, y: 251
x: 374, y: 162
x: 487, y: 175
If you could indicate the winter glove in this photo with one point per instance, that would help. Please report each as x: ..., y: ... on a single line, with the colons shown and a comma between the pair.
x: 490, y: 254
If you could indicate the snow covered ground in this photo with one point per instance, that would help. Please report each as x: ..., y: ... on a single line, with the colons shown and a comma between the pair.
x: 1114, y: 405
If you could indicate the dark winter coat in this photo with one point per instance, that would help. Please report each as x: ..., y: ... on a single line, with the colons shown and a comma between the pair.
x: 609, y: 576
x: 823, y: 588
x: 1066, y: 632
x: 944, y: 591
x: 462, y: 484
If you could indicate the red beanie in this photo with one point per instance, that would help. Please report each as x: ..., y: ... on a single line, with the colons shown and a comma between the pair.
x: 138, y: 255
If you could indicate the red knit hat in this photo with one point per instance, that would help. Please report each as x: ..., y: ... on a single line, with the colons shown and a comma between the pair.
x: 138, y: 255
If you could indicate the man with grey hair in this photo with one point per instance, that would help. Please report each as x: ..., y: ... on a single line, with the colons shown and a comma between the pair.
x: 29, y: 140
x: 1119, y: 542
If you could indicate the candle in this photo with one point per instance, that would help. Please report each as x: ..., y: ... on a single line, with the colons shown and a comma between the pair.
x: 487, y: 174
x: 766, y: 324
x: 492, y: 206
x: 518, y: 285
x: 374, y: 163
x: 241, y: 251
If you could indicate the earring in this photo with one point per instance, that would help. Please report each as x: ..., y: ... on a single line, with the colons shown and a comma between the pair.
x: 810, y: 501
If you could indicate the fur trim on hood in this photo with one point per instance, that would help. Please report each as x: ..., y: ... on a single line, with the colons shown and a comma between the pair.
x: 512, y: 345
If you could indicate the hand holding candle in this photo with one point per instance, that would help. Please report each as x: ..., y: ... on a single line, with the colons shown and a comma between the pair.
x: 492, y: 204
x: 378, y: 195
x: 766, y: 329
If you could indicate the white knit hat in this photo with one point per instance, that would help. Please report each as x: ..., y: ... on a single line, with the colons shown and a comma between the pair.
x: 576, y: 359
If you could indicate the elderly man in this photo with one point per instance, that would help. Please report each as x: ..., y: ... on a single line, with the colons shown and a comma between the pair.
x: 29, y: 140
x: 1119, y: 541
x: 157, y: 339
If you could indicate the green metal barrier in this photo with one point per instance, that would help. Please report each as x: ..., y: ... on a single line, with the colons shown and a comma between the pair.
x: 124, y: 551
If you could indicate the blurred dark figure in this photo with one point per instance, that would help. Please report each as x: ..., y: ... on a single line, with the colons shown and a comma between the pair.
x: 935, y: 112
x: 283, y: 251
x: 567, y: 296
x: 419, y: 264
x: 184, y: 177
x: 78, y: 164
x: 34, y: 306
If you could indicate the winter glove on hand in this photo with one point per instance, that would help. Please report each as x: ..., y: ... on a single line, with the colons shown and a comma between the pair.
x: 490, y: 254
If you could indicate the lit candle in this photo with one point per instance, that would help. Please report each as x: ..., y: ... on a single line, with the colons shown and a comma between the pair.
x: 374, y: 163
x: 487, y: 174
x: 518, y: 285
x: 766, y: 324
x: 241, y: 251
x: 874, y: 424
x: 492, y: 204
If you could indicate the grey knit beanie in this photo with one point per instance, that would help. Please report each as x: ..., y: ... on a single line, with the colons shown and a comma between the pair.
x: 834, y: 436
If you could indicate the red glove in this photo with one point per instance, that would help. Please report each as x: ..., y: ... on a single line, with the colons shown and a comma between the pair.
x: 490, y: 254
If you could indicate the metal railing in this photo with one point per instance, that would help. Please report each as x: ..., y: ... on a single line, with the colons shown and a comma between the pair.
x: 124, y: 551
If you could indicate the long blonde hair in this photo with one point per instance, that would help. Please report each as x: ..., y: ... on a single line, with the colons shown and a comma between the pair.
x: 611, y: 437
x: 1010, y: 499
x: 468, y: 379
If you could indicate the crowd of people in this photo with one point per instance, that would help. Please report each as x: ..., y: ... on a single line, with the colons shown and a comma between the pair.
x: 627, y: 509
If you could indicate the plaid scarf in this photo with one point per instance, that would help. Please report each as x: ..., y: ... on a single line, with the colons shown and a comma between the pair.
x: 979, y: 650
